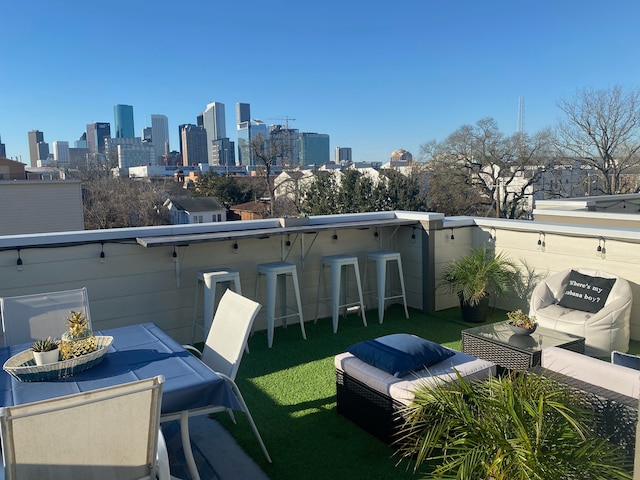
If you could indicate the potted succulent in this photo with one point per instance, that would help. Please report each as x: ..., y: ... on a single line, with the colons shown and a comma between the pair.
x: 521, y: 323
x: 478, y: 276
x: 45, y: 351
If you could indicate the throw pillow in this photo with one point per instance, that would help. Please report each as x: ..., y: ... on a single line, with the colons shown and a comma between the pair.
x: 400, y: 353
x: 625, y: 359
x: 586, y: 293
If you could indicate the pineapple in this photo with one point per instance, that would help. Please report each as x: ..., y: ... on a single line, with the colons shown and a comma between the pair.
x: 79, y: 339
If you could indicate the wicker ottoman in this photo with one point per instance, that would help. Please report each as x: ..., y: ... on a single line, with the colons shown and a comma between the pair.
x: 372, y: 398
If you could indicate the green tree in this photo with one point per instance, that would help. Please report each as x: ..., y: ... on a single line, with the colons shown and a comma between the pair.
x: 225, y: 188
x: 319, y: 196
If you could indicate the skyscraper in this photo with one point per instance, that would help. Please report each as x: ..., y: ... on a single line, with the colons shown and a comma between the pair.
x: 61, y: 152
x: 314, y: 148
x: 248, y: 131
x: 243, y: 112
x: 194, y: 145
x: 3, y: 150
x: 342, y: 154
x: 214, y: 123
x: 123, y: 121
x: 35, y: 137
x: 160, y: 137
x: 96, y: 133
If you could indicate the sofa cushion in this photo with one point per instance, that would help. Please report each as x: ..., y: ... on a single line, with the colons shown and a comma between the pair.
x: 625, y: 359
x: 402, y: 389
x: 400, y: 353
x: 616, y: 378
x: 586, y: 293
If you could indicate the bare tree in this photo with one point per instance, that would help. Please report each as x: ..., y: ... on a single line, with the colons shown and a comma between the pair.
x: 602, y: 127
x: 111, y: 202
x: 498, y: 170
x: 267, y: 152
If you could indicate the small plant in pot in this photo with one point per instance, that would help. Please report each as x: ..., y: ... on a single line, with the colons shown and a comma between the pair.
x: 521, y: 323
x: 478, y: 276
x: 45, y: 351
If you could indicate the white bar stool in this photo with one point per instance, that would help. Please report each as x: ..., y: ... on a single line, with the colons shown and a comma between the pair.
x: 276, y: 273
x: 336, y: 263
x: 382, y: 259
x: 208, y: 280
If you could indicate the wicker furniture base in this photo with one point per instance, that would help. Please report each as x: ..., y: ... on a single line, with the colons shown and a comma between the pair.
x: 372, y: 411
x: 497, y: 343
x: 616, y: 414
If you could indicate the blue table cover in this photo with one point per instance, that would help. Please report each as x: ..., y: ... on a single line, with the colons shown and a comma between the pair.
x: 137, y: 352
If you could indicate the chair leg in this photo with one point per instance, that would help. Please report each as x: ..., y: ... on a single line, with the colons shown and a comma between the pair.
x: 249, y: 417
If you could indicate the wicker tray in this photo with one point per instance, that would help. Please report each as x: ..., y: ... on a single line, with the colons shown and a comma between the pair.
x: 23, y: 367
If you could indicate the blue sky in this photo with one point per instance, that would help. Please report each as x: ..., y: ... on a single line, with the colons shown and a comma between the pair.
x: 375, y: 76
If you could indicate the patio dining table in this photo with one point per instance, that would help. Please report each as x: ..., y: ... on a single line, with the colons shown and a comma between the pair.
x: 137, y: 352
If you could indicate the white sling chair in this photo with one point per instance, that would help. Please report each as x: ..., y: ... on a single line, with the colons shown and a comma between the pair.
x: 223, y: 351
x: 105, y: 434
x: 27, y: 318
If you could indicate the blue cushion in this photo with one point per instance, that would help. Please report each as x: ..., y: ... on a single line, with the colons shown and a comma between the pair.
x: 400, y: 353
x: 625, y: 359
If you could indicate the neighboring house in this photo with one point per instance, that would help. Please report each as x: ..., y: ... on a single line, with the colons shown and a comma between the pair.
x: 11, y: 170
x: 185, y: 209
x: 255, y: 210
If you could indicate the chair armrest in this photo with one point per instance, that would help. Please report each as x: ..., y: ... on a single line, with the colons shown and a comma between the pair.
x: 192, y: 349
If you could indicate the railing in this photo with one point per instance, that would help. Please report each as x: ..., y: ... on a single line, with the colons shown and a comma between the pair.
x: 148, y: 274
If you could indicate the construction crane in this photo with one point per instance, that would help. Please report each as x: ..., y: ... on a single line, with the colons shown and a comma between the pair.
x: 286, y: 119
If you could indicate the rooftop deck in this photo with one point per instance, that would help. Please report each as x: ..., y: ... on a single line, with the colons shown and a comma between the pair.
x: 148, y: 274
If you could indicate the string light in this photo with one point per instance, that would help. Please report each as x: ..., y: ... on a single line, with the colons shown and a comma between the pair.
x: 19, y: 262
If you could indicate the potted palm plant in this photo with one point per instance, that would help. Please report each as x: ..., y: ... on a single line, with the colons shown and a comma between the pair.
x: 45, y: 351
x: 477, y: 277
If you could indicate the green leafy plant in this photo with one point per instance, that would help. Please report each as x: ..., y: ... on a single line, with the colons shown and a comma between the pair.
x: 44, y: 345
x: 479, y: 274
x: 518, y: 318
x: 517, y: 426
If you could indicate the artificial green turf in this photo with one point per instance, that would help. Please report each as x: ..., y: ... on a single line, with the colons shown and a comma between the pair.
x: 290, y: 390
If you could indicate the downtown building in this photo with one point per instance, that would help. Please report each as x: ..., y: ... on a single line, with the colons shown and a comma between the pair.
x: 220, y: 150
x: 314, y: 148
x: 123, y: 121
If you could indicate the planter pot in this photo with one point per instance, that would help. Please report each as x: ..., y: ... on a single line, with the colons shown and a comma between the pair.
x: 522, y: 330
x: 476, y: 313
x: 43, y: 358
x: 294, y: 221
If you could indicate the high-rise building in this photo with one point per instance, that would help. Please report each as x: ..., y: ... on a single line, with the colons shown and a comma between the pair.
x: 248, y: 131
x: 131, y: 152
x: 223, y: 152
x: 81, y: 142
x: 314, y: 148
x: 193, y: 141
x: 96, y: 135
x: 123, y: 121
x: 61, y: 152
x: 35, y: 137
x: 286, y: 142
x: 146, y: 134
x: 160, y: 137
x: 3, y: 150
x: 213, y: 119
x: 342, y: 154
x: 243, y: 112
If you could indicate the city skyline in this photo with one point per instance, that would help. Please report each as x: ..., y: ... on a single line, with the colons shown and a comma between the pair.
x: 375, y: 80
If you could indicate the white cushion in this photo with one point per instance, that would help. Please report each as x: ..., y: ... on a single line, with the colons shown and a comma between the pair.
x: 402, y: 389
x: 616, y: 378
